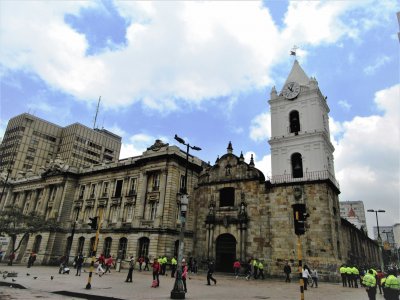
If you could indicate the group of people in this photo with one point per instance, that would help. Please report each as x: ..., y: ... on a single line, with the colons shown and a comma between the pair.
x: 104, y: 264
x: 253, y: 268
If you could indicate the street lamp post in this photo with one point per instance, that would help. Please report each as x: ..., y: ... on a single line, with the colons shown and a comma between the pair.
x: 379, y: 235
x: 178, y: 292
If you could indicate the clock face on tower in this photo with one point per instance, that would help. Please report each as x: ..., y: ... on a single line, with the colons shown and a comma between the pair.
x: 291, y: 90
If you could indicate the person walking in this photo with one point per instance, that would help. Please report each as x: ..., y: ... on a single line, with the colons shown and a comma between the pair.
x: 305, y: 274
x: 248, y: 270
x: 146, y: 263
x: 211, y: 270
x: 287, y: 270
x: 156, y: 273
x: 109, y: 262
x: 369, y: 282
x: 174, y: 263
x: 31, y: 259
x: 392, y: 286
x: 130, y: 271
x: 184, y: 274
x: 101, y: 261
x: 255, y: 268
x: 236, y: 268
x: 78, y: 264
x: 349, y: 276
x: 140, y: 261
x: 260, y: 267
x: 355, y: 274
x: 342, y: 271
x: 379, y: 276
x: 314, y: 277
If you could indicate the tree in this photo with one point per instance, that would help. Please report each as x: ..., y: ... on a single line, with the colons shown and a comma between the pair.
x: 14, y: 222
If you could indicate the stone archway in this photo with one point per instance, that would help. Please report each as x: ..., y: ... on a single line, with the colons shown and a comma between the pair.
x: 225, y: 252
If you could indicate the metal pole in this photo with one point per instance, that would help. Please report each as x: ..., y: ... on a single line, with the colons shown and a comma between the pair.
x: 73, y: 233
x: 377, y: 224
x: 300, y: 257
x: 88, y: 285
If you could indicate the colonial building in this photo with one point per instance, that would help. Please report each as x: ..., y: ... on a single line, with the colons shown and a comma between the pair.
x: 234, y: 211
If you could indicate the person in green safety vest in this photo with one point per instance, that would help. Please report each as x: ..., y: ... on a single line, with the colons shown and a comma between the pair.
x: 342, y: 271
x: 349, y: 273
x: 260, y: 270
x: 355, y: 275
x: 255, y: 268
x: 392, y: 286
x: 369, y: 282
x: 174, y: 263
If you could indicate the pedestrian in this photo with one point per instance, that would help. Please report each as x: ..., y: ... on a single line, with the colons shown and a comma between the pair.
x: 63, y: 263
x: 260, y: 267
x: 156, y: 273
x: 174, y: 263
x: 101, y: 262
x: 31, y: 259
x: 130, y: 271
x: 349, y: 276
x: 236, y: 268
x: 194, y: 265
x: 255, y: 268
x: 379, y: 276
x: 314, y: 277
x: 287, y: 270
x: 342, y: 271
x: 211, y: 270
x: 248, y: 269
x: 355, y: 274
x: 392, y: 286
x: 146, y: 263
x: 79, y: 264
x: 184, y: 274
x: 305, y: 274
x: 109, y: 263
x: 140, y: 261
x: 369, y: 282
x: 164, y: 265
x: 11, y: 257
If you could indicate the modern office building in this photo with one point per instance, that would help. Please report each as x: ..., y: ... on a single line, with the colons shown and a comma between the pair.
x: 354, y: 212
x: 31, y: 143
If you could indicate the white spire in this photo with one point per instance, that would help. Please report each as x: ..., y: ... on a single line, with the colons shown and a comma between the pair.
x: 297, y: 74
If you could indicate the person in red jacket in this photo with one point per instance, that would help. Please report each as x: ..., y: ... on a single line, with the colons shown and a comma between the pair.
x: 184, y: 274
x: 156, y: 272
x: 236, y: 267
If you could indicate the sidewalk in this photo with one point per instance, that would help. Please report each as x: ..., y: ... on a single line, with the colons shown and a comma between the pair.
x: 114, y: 285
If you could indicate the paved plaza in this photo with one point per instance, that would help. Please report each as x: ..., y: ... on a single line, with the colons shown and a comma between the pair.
x: 113, y: 285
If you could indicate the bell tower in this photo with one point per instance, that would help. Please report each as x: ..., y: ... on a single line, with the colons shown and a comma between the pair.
x: 300, y: 139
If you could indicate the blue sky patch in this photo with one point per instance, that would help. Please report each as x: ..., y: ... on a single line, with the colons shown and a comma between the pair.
x: 103, y: 27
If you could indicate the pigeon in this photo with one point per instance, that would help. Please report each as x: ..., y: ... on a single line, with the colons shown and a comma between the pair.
x: 13, y: 280
x: 51, y: 277
x: 34, y: 277
x: 27, y: 274
x: 5, y: 276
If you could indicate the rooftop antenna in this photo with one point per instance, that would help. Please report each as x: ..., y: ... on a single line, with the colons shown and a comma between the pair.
x: 97, y: 112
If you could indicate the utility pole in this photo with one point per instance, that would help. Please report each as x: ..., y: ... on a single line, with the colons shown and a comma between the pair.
x: 98, y: 224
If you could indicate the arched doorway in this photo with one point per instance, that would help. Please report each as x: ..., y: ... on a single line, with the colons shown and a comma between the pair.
x: 225, y: 252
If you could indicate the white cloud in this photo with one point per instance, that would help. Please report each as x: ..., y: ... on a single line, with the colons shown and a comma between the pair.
x: 176, y: 52
x: 139, y: 143
x: 264, y: 165
x: 379, y: 62
x: 345, y: 105
x: 367, y: 157
x: 260, y: 128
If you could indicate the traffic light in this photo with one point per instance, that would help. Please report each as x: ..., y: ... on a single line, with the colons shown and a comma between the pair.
x: 300, y: 216
x: 93, y: 223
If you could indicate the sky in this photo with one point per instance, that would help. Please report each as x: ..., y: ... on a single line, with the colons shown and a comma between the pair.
x: 204, y: 70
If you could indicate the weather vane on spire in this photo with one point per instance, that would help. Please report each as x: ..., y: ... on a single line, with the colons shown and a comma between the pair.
x: 293, y: 51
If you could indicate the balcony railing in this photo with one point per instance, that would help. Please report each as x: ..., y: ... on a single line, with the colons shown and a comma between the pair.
x: 307, y: 176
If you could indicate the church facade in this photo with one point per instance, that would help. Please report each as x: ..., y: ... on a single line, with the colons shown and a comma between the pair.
x: 234, y: 211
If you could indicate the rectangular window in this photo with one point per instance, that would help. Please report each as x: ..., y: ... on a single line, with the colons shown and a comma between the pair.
x: 82, y: 192
x: 129, y: 213
x: 182, y: 184
x: 153, y: 210
x: 105, y: 189
x: 156, y: 182
x: 118, y: 188
x: 132, y: 186
x: 93, y: 191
